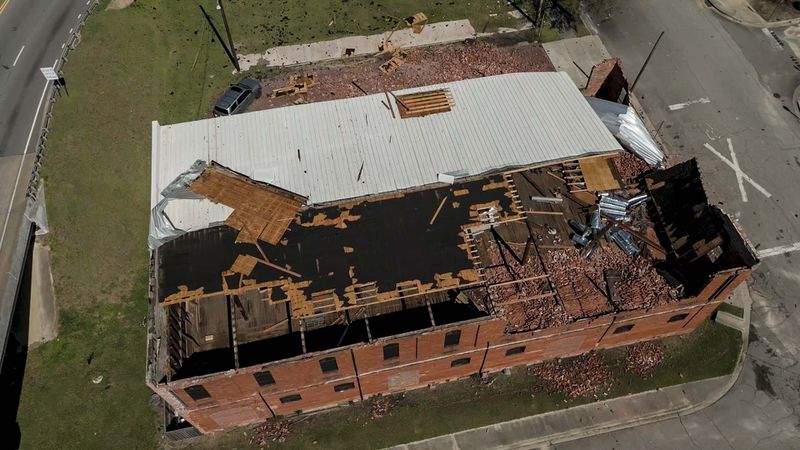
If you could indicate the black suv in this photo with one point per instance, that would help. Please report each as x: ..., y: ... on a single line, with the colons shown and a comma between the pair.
x: 238, y: 97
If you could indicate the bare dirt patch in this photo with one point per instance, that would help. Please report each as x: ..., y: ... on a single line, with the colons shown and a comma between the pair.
x: 119, y: 4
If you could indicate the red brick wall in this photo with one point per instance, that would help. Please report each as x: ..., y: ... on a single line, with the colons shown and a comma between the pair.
x: 220, y: 416
x: 314, y: 397
x: 573, y: 339
x: 423, y: 359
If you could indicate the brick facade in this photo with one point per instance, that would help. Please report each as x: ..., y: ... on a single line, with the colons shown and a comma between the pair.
x: 299, y: 384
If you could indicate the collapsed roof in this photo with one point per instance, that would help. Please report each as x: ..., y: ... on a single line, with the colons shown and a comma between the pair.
x: 499, y: 245
x: 317, y: 226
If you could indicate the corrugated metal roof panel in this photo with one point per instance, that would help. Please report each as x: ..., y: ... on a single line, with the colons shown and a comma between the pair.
x: 496, y: 122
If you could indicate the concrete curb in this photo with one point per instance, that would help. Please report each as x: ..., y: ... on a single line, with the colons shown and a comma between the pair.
x: 722, y: 11
x: 593, y: 430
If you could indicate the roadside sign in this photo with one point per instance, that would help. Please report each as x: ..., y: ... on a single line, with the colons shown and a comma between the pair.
x: 49, y: 73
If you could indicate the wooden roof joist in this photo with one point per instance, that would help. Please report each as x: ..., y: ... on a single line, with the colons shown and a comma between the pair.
x: 424, y: 103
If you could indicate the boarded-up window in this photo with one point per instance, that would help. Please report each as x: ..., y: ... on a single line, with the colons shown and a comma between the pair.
x: 452, y: 338
x: 328, y: 365
x: 515, y: 351
x: 264, y: 378
x: 343, y: 387
x: 291, y: 398
x: 403, y: 380
x: 623, y: 329
x: 391, y: 351
x: 678, y: 317
x: 459, y: 362
x: 424, y: 103
x: 197, y: 392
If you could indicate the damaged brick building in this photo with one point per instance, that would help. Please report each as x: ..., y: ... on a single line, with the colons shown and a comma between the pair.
x: 316, y: 255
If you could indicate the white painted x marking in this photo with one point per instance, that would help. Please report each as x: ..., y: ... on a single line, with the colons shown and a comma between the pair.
x: 741, y: 177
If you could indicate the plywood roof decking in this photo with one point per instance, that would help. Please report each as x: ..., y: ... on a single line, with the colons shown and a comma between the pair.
x: 260, y: 211
x: 599, y: 173
x: 317, y: 150
x: 386, y: 248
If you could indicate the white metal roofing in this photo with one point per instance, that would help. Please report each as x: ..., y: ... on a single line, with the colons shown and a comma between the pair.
x: 317, y: 150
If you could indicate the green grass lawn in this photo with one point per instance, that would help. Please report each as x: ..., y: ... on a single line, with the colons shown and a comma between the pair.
x: 710, y: 351
x: 292, y: 22
x: 732, y: 309
x: 152, y: 61
x: 133, y: 66
x: 155, y: 61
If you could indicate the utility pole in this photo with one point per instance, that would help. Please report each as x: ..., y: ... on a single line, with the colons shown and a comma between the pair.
x: 539, y: 20
x: 647, y: 60
x: 233, y: 59
x: 227, y: 30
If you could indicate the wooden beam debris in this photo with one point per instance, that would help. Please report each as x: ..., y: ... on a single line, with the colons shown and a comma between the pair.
x: 436, y: 214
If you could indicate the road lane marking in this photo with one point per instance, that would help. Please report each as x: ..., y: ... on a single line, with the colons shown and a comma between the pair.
x: 3, y: 6
x: 18, y: 55
x: 678, y: 106
x: 738, y: 171
x: 739, y: 178
x: 774, y: 251
x: 22, y: 162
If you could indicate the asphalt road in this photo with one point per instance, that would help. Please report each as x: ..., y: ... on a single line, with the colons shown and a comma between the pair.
x: 32, y: 35
x: 711, y: 81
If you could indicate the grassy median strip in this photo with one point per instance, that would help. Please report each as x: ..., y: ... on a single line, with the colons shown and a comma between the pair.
x: 710, y: 351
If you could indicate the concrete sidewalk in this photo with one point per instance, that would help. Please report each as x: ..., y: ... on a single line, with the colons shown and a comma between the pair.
x: 741, y: 12
x: 597, y: 418
x: 289, y: 55
x: 579, y: 421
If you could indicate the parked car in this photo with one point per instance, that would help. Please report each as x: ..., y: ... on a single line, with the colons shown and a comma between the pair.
x: 238, y: 97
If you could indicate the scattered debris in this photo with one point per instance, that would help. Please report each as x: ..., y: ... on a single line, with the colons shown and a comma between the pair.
x: 625, y: 124
x: 581, y: 282
x: 583, y: 376
x: 382, y: 405
x: 630, y: 167
x: 298, y: 84
x: 439, y: 209
x: 424, y: 66
x: 97, y: 379
x: 417, y: 22
x: 619, y: 208
x: 624, y: 240
x: 397, y: 60
x: 643, y: 358
x: 270, y: 431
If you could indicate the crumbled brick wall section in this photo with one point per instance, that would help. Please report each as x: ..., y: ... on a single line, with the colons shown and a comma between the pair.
x: 236, y: 398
